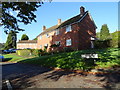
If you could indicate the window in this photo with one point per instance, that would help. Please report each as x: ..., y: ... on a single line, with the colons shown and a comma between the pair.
x: 47, y: 35
x: 46, y: 45
x: 57, y: 32
x: 40, y: 46
x: 40, y: 37
x: 57, y: 42
x: 68, y: 28
x: 68, y: 42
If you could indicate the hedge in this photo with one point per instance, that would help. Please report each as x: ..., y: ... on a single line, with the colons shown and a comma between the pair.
x: 35, y: 52
x: 102, y: 43
x: 23, y: 52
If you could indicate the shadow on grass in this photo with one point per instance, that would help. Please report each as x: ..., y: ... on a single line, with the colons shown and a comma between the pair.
x: 6, y: 59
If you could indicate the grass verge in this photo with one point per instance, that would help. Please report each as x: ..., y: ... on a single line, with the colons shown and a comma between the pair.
x: 72, y: 60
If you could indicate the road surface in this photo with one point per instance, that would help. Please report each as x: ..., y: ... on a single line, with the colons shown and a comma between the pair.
x: 30, y: 76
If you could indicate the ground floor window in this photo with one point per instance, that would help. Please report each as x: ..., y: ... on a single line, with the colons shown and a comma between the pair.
x: 46, y: 45
x: 40, y: 46
x: 57, y: 42
x: 68, y: 42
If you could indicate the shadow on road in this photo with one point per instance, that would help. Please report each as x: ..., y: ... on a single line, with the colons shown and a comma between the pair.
x: 112, y: 79
x: 19, y: 74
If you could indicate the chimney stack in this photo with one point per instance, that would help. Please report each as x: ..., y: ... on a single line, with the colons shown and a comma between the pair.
x: 82, y: 10
x: 44, y: 28
x: 59, y: 21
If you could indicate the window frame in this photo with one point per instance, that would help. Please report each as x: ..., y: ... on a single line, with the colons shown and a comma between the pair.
x: 46, y: 44
x: 47, y: 35
x: 40, y: 46
x: 68, y: 27
x: 68, y: 42
x: 57, y: 32
x: 40, y: 37
x: 58, y: 43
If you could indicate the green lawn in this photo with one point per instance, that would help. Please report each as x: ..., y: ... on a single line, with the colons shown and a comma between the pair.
x: 13, y: 57
x: 72, y: 60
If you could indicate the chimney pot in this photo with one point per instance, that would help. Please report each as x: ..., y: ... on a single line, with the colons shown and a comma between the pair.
x: 82, y: 10
x: 44, y: 28
x: 59, y: 21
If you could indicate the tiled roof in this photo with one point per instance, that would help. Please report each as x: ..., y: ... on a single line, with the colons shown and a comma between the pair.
x: 72, y: 20
x: 27, y: 41
x: 67, y: 22
x: 50, y: 29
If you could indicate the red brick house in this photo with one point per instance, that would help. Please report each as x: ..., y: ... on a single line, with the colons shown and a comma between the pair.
x: 76, y: 33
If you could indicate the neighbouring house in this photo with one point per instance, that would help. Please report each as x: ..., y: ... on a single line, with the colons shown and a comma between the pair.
x: 78, y: 33
x: 24, y: 44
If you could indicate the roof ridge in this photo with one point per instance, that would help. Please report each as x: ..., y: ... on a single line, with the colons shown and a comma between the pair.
x: 64, y: 23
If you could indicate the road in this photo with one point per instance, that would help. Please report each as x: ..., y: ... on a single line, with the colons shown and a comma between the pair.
x: 30, y: 76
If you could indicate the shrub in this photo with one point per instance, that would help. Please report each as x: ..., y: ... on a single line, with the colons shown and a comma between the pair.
x: 102, y: 43
x: 23, y: 52
x: 68, y: 49
x: 37, y: 52
x: 54, y: 45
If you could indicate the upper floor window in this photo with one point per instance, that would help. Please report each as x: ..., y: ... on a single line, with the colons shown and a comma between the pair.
x: 40, y: 37
x: 68, y: 42
x: 57, y: 32
x: 47, y: 35
x: 68, y: 28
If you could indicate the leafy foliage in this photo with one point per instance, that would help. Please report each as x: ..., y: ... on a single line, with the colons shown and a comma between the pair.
x: 35, y: 38
x: 25, y: 14
x: 68, y: 49
x: 37, y: 52
x: 54, y: 45
x: 104, y: 33
x: 102, y: 43
x: 24, y: 37
x: 11, y: 40
x: 23, y: 52
x: 72, y: 60
x: 98, y: 34
x: 115, y: 39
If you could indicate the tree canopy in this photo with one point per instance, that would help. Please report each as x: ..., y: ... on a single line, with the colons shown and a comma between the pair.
x: 25, y: 14
x: 11, y: 40
x: 24, y: 37
x: 116, y: 39
x: 104, y: 33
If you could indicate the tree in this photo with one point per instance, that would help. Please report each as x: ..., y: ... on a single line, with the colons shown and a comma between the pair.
x: 25, y: 14
x: 104, y: 33
x: 11, y: 40
x: 116, y: 39
x: 35, y: 38
x: 98, y: 34
x: 24, y: 37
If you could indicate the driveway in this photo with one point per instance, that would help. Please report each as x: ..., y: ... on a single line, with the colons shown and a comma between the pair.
x: 30, y: 76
